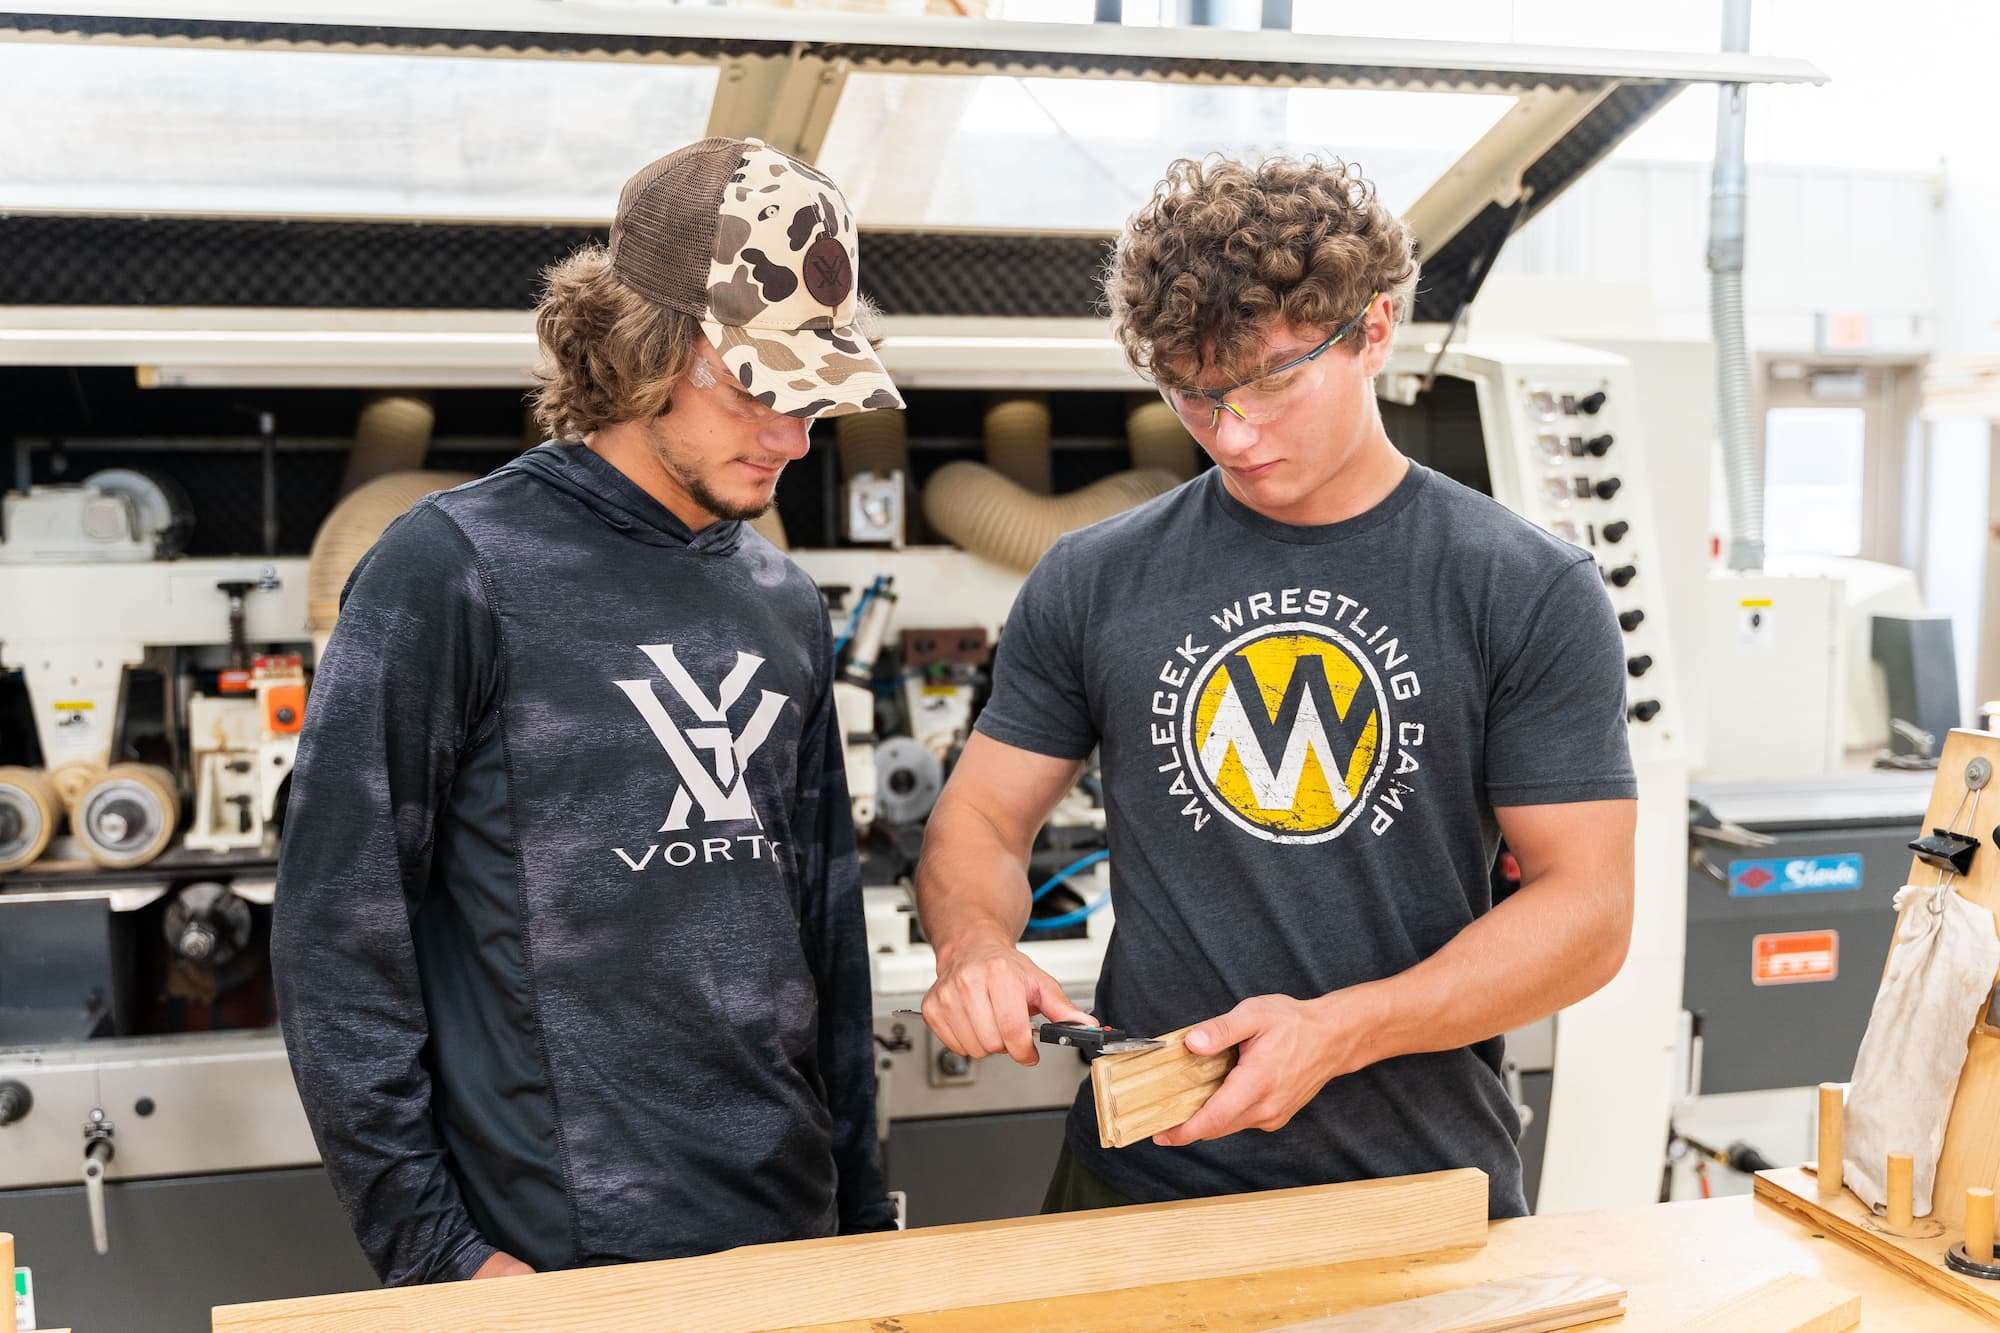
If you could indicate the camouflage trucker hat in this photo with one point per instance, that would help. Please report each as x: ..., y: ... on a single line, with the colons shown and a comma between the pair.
x: 761, y: 249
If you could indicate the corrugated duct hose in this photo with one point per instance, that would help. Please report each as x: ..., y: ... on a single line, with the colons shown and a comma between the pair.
x: 1017, y: 441
x: 1742, y: 464
x: 877, y: 442
x: 384, y: 478
x: 354, y: 525
x: 393, y: 435
x: 993, y: 515
x: 1742, y: 454
x: 1159, y: 441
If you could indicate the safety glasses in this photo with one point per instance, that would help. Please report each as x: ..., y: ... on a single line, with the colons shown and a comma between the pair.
x: 1266, y: 396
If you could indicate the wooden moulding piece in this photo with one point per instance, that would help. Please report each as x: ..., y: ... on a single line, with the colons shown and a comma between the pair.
x: 1140, y: 1094
x: 1832, y: 1115
x: 880, y: 1275
x: 1515, y: 1305
x: 1790, y: 1304
x: 1847, y: 1219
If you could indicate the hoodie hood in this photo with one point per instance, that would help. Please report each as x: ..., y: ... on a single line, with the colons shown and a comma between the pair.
x: 613, y: 497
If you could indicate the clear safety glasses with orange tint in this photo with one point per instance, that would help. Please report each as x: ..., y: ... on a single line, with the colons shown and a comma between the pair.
x: 1267, y: 396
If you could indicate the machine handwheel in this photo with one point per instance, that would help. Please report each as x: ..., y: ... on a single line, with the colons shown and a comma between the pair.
x: 128, y: 816
x: 30, y: 809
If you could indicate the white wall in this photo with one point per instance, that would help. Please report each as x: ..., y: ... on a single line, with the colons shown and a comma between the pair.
x: 1820, y: 239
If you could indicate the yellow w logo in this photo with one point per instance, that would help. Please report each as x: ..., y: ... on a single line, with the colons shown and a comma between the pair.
x: 1279, y: 736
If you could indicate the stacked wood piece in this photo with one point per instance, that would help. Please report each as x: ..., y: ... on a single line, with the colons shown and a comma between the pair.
x: 1141, y: 1094
x: 1514, y: 1305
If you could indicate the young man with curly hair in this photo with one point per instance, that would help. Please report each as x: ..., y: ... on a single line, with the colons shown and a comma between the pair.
x: 568, y: 940
x: 1323, y: 681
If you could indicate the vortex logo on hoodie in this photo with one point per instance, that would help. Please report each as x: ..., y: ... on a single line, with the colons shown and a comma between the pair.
x: 716, y: 783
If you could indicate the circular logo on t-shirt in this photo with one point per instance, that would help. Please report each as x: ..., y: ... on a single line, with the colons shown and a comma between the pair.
x: 1283, y: 729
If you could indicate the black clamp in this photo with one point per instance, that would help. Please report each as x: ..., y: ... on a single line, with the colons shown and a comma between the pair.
x: 1945, y: 850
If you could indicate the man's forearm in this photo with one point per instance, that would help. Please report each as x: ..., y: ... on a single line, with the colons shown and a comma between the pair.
x: 1549, y: 945
x: 970, y: 883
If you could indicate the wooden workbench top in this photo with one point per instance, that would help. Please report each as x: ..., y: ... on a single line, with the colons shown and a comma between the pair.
x: 1678, y: 1260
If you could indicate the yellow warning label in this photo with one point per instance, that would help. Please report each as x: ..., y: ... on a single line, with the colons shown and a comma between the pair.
x: 74, y: 705
x: 1754, y: 601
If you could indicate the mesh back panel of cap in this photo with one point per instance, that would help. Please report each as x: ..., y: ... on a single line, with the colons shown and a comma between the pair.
x: 665, y: 229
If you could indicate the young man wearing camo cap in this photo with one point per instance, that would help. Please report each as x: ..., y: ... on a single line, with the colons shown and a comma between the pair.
x: 568, y: 936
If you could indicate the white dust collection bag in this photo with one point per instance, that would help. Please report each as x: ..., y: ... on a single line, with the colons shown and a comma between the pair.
x: 1940, y: 973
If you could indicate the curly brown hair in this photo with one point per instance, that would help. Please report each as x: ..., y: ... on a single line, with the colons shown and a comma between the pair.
x: 1223, y: 249
x: 607, y: 353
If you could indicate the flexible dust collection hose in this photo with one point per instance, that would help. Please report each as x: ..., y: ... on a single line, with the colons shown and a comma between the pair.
x: 877, y: 442
x: 985, y: 513
x: 1158, y: 440
x: 392, y: 435
x: 992, y: 512
x: 1742, y: 451
x: 1017, y: 441
x: 355, y: 524
x: 1742, y: 460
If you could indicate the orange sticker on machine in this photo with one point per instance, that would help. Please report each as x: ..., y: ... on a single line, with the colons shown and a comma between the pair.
x: 1795, y: 956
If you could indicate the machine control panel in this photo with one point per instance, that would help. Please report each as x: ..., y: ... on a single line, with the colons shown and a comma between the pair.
x: 1574, y: 464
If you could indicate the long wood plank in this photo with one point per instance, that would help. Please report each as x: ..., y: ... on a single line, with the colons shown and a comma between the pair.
x: 932, y: 1268
x: 1533, y: 1304
x: 1793, y: 1303
x: 1140, y: 1094
x: 1678, y: 1261
x: 1847, y: 1219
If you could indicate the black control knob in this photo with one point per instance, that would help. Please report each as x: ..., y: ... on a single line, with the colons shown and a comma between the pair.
x: 1645, y: 710
x: 1631, y: 620
x: 286, y: 717
x: 1622, y: 575
x: 1607, y: 488
x: 15, y: 1101
x: 1636, y: 667
x: 1599, y: 445
x: 1591, y: 403
x: 1615, y: 532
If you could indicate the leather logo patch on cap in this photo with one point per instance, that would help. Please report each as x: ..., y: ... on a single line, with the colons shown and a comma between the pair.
x: 829, y: 274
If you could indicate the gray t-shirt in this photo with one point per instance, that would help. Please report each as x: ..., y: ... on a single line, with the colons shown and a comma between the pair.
x: 1304, y: 732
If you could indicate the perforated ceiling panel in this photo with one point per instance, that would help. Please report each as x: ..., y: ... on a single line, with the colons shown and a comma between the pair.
x: 91, y: 261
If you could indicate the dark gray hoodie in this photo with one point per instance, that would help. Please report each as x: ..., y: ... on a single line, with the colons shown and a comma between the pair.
x: 568, y: 938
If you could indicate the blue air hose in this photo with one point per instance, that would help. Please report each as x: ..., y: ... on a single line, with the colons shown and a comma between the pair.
x: 1061, y: 877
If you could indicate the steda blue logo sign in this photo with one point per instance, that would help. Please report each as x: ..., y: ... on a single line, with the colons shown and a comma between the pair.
x: 1839, y: 873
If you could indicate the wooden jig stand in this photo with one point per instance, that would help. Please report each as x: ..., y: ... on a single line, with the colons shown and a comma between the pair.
x: 1951, y: 1251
